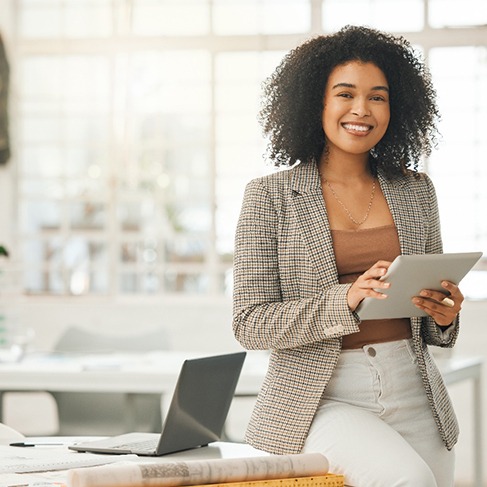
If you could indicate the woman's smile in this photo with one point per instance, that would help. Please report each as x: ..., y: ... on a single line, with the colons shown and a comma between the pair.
x: 357, y: 128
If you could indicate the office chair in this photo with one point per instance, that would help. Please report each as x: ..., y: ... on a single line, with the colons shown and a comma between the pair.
x: 108, y: 413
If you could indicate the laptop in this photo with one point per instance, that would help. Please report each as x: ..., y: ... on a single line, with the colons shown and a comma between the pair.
x: 196, y: 416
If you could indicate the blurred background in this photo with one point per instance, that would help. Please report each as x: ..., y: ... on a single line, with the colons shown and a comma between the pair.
x: 132, y: 132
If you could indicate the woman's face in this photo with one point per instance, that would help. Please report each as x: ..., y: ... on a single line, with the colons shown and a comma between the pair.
x: 356, y: 109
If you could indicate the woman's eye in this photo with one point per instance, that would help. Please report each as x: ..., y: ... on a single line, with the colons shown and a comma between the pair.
x: 378, y: 98
x: 345, y: 95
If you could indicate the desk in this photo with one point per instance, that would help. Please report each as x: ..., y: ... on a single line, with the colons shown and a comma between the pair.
x: 131, y: 374
x: 60, y: 455
x: 459, y: 369
x: 157, y: 373
x: 150, y: 373
x: 219, y: 463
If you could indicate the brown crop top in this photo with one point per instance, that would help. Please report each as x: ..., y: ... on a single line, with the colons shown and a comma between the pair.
x: 355, y: 252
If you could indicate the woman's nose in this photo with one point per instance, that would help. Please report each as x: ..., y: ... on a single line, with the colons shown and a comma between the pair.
x: 360, y: 108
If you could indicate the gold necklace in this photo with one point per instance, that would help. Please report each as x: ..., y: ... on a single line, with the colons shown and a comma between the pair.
x: 347, y: 211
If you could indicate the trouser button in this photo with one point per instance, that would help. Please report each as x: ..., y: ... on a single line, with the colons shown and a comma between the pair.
x: 371, y: 351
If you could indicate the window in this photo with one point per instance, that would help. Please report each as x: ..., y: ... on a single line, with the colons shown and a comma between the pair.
x: 137, y: 130
x: 388, y: 15
x: 458, y: 166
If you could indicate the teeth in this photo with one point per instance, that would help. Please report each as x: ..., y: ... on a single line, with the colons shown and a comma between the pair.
x: 359, y: 128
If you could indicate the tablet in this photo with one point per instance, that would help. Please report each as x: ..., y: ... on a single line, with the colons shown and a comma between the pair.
x: 408, y: 275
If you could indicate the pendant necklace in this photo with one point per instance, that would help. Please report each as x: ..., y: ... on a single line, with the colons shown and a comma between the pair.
x: 347, y: 211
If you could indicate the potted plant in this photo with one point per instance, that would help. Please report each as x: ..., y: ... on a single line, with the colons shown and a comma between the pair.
x: 3, y: 251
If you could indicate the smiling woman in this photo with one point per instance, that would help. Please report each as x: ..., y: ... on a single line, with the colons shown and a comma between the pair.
x: 352, y: 113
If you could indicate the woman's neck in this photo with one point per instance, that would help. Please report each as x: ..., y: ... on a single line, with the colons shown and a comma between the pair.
x: 344, y: 168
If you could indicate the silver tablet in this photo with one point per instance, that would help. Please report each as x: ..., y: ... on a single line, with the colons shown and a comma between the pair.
x: 408, y: 275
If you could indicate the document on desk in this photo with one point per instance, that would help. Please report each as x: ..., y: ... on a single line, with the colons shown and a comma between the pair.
x: 197, y: 472
x: 39, y: 479
x: 43, y: 459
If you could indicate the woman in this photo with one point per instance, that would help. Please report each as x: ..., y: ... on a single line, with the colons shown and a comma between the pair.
x: 350, y: 115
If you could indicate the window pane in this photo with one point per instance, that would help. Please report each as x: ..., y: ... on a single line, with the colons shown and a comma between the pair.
x: 80, y: 83
x: 168, y: 17
x: 38, y: 216
x: 388, y: 15
x: 240, y: 147
x: 234, y: 17
x: 40, y: 19
x: 64, y: 18
x: 452, y: 13
x: 458, y: 166
x: 183, y: 282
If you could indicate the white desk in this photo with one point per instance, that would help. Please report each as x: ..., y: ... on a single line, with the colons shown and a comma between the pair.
x: 469, y: 368
x: 152, y: 372
x: 157, y: 373
x: 60, y: 455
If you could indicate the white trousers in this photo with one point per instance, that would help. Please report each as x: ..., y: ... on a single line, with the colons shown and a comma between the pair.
x: 374, y: 423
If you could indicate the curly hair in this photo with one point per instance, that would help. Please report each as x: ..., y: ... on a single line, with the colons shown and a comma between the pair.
x: 292, y: 102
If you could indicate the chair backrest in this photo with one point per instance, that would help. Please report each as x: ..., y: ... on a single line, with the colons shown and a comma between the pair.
x: 108, y: 413
x: 77, y: 339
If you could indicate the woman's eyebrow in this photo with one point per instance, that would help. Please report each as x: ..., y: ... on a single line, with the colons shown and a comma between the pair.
x: 343, y: 85
x: 350, y: 85
x: 380, y: 88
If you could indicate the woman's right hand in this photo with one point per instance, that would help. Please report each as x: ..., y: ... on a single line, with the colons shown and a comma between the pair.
x: 365, y: 286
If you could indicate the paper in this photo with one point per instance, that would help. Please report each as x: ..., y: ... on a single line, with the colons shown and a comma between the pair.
x: 42, y: 459
x: 44, y: 479
x: 8, y: 434
x: 198, y: 472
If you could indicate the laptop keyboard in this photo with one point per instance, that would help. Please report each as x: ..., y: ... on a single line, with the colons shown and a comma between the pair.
x: 145, y: 446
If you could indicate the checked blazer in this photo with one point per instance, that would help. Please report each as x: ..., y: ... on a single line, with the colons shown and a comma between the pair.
x: 287, y: 298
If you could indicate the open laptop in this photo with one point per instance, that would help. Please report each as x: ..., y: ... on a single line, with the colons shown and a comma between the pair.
x: 196, y: 416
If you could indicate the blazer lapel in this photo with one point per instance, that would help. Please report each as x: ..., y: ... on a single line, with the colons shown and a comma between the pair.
x: 309, y: 206
x: 406, y: 214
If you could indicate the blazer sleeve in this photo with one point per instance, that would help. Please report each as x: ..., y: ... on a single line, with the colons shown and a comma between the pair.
x: 262, y: 317
x: 432, y: 333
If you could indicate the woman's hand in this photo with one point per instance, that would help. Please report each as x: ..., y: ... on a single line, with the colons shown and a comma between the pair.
x: 365, y: 286
x: 443, y: 309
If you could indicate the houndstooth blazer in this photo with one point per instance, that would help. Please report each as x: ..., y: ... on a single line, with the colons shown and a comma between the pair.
x: 287, y: 299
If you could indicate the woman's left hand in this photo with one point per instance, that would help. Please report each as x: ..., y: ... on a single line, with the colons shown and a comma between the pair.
x: 443, y: 309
